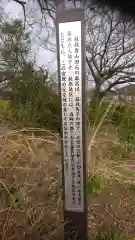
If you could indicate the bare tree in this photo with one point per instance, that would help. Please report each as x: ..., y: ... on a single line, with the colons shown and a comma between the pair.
x: 44, y: 5
x: 110, y: 47
x: 127, y: 7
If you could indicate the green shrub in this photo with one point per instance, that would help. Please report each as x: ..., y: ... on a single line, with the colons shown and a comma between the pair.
x: 6, y: 111
x: 110, y: 235
x: 130, y: 187
x: 93, y: 186
x: 4, y: 105
x: 33, y: 99
x: 124, y: 120
x: 121, y: 115
x: 96, y: 111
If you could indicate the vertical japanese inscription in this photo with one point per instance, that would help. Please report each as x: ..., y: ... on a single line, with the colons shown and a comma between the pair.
x: 71, y: 98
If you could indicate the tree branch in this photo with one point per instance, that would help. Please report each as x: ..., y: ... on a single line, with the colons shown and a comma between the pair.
x: 44, y: 8
x: 22, y: 3
x: 106, y: 45
x: 118, y: 82
x: 121, y: 55
x: 92, y: 71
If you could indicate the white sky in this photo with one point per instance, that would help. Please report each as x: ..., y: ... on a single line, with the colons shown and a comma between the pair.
x: 43, y: 57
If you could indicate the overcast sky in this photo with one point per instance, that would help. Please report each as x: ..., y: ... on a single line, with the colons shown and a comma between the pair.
x: 43, y: 57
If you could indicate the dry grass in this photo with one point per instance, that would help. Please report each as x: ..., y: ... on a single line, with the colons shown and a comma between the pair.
x: 30, y: 194
x: 30, y: 175
x: 113, y: 173
x: 102, y: 141
x: 102, y: 159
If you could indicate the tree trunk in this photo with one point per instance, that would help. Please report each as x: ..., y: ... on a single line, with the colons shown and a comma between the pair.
x: 97, y: 97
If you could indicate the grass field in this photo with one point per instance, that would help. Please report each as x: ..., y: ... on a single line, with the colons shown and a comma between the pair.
x: 30, y: 186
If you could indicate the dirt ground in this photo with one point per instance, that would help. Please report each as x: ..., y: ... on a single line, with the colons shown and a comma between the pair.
x: 113, y: 209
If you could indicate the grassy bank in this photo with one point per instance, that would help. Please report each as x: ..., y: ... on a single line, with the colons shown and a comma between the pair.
x: 30, y: 180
